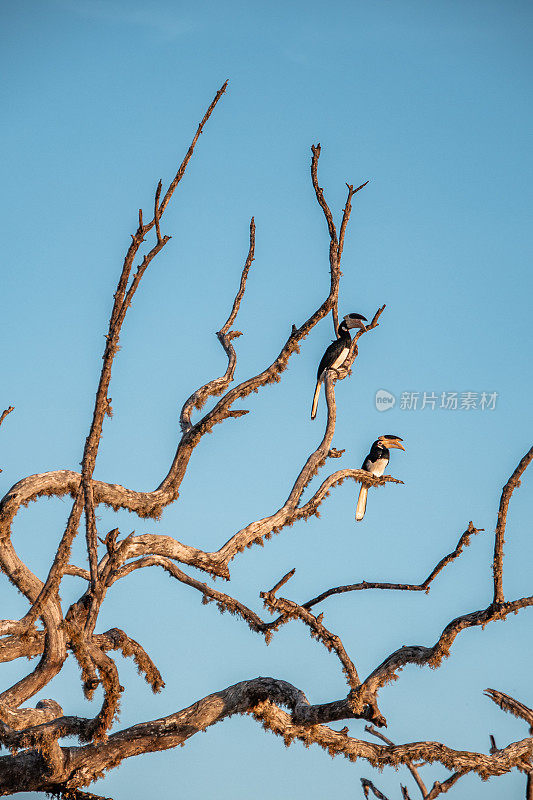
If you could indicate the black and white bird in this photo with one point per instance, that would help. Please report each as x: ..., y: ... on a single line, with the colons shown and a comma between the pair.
x: 376, y: 463
x: 336, y: 353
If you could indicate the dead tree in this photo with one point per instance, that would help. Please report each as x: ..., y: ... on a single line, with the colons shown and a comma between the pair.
x: 37, y: 758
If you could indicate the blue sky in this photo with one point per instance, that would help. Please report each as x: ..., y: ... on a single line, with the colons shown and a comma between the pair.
x: 431, y: 103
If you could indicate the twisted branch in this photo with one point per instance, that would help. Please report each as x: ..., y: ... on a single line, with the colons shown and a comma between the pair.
x: 218, y: 385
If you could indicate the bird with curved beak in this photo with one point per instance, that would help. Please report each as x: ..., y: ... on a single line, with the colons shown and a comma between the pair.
x: 337, y: 351
x: 376, y: 463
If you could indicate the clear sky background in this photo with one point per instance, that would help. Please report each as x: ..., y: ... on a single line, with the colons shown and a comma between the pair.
x: 431, y: 102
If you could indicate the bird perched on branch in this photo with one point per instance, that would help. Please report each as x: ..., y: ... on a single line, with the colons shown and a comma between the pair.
x: 376, y: 463
x: 336, y: 353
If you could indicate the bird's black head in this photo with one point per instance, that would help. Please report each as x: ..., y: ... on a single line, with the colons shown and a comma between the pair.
x: 342, y: 330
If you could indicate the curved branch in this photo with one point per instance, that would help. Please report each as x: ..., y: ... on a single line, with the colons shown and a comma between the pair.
x: 290, y: 610
x: 85, y: 763
x: 261, y: 697
x: 464, y: 541
x: 508, y: 489
x: 379, y: 756
x: 255, y: 531
x: 224, y: 601
x: 218, y: 385
x: 54, y: 654
x: 290, y: 511
x: 433, y: 656
x: 5, y: 412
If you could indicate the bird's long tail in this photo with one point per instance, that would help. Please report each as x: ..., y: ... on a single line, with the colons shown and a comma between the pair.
x: 315, y: 400
x: 361, y: 504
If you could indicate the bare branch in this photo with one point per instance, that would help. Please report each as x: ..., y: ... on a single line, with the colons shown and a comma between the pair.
x: 282, y: 724
x: 291, y: 610
x: 242, y: 288
x: 290, y: 512
x: 86, y: 763
x: 116, y: 639
x: 369, y: 786
x: 51, y: 585
x: 262, y: 698
x: 282, y: 582
x: 107, y: 670
x: 4, y: 413
x: 346, y: 215
x: 44, y: 598
x: 514, y: 707
x: 464, y: 541
x: 508, y: 489
x: 156, y: 211
x: 216, y: 386
x: 223, y: 601
x: 336, y: 244
x: 411, y: 767
x: 315, y: 149
x: 441, y: 788
x: 91, y: 534
x: 123, y: 299
x: 433, y: 656
x: 79, y: 572
x: 333, y: 245
x: 190, y: 151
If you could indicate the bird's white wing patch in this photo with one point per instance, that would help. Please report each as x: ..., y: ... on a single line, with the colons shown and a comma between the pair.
x: 379, y: 467
x: 340, y: 358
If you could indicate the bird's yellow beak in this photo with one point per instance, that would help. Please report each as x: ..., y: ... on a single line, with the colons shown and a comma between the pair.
x: 392, y: 443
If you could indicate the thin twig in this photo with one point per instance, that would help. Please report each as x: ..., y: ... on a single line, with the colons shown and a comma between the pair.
x: 156, y: 210
x: 441, y: 788
x: 244, y: 277
x: 410, y: 766
x: 282, y: 582
x: 464, y: 541
x: 183, y: 165
x: 5, y: 413
x: 367, y: 786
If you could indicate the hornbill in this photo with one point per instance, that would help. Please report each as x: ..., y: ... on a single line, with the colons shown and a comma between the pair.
x: 337, y: 351
x: 375, y: 463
